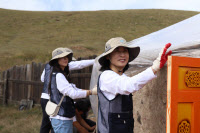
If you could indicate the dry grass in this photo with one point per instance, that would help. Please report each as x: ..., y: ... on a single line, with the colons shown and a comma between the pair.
x: 29, y: 121
x: 15, y: 121
x: 27, y: 36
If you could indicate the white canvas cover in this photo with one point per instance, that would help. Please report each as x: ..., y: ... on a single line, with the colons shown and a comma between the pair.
x: 184, y: 37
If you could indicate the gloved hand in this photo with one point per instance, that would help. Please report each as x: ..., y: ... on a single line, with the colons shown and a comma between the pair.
x: 94, y: 90
x: 162, y: 58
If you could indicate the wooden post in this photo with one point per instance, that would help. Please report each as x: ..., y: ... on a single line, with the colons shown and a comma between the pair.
x: 17, y: 87
x: 1, y: 87
x: 28, y: 78
x: 5, y: 88
x: 10, y: 84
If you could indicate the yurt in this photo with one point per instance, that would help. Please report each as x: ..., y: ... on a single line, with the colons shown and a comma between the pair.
x: 149, y: 103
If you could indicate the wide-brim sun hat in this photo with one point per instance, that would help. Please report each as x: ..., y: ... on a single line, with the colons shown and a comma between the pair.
x: 113, y: 43
x: 61, y: 52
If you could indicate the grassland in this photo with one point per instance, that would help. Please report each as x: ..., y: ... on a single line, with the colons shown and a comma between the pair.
x: 15, y: 121
x: 31, y: 36
x: 27, y: 36
x: 27, y: 121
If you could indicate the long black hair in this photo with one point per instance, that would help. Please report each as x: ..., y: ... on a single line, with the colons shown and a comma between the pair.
x: 57, y: 68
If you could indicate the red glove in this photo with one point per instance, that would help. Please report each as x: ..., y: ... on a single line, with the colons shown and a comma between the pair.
x: 162, y: 58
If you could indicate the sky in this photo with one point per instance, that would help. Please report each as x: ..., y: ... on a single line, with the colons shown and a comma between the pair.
x: 93, y: 5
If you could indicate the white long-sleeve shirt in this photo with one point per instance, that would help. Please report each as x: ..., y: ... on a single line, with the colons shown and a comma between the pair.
x: 111, y: 83
x: 63, y: 83
x: 65, y: 87
x: 70, y: 90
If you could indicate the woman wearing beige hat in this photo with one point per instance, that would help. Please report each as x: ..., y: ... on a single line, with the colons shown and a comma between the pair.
x: 55, y: 78
x: 115, y: 89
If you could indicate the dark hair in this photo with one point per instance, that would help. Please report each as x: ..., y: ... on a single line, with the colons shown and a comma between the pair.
x: 106, y: 65
x: 83, y: 105
x: 57, y: 68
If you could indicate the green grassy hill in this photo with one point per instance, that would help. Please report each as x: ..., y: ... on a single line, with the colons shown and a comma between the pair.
x: 27, y: 36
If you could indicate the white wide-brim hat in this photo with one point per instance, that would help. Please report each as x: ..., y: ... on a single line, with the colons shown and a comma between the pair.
x: 61, y: 52
x: 113, y: 43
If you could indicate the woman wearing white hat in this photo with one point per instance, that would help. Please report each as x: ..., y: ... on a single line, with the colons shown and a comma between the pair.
x: 115, y: 89
x: 55, y: 78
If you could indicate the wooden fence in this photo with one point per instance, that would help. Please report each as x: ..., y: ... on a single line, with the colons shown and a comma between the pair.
x: 23, y: 82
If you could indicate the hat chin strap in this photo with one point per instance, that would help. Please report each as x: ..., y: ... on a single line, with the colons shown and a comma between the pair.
x: 115, y: 67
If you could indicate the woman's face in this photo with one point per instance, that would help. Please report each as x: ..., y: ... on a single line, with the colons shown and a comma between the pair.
x: 63, y: 62
x: 119, y: 57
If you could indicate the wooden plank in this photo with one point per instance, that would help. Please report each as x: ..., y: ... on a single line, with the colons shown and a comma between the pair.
x: 25, y: 82
x: 21, y: 86
x: 5, y: 88
x: 18, y: 90
x: 39, y: 88
x: 14, y: 84
x: 80, y: 75
x: 40, y: 69
x: 74, y: 81
x: 24, y: 85
x: 24, y: 78
x: 2, y: 79
x: 79, y: 81
x: 87, y: 83
x: 33, y: 79
x: 1, y: 84
x: 28, y: 78
x: 36, y: 74
x: 82, y: 83
x: 10, y: 85
x: 168, y: 117
x: 1, y: 88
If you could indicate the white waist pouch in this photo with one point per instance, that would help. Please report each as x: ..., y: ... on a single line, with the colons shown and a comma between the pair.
x: 52, y: 108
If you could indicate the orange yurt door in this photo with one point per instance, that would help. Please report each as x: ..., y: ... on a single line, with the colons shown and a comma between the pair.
x: 183, y: 95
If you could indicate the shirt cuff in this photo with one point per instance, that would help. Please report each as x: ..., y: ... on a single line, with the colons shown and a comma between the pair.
x: 152, y: 75
x: 74, y: 118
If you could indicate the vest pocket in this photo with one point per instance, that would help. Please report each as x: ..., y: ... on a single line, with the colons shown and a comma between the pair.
x: 127, y: 103
x: 120, y: 123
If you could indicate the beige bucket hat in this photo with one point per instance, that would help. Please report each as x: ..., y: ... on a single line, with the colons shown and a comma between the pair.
x: 61, y: 52
x: 113, y: 43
